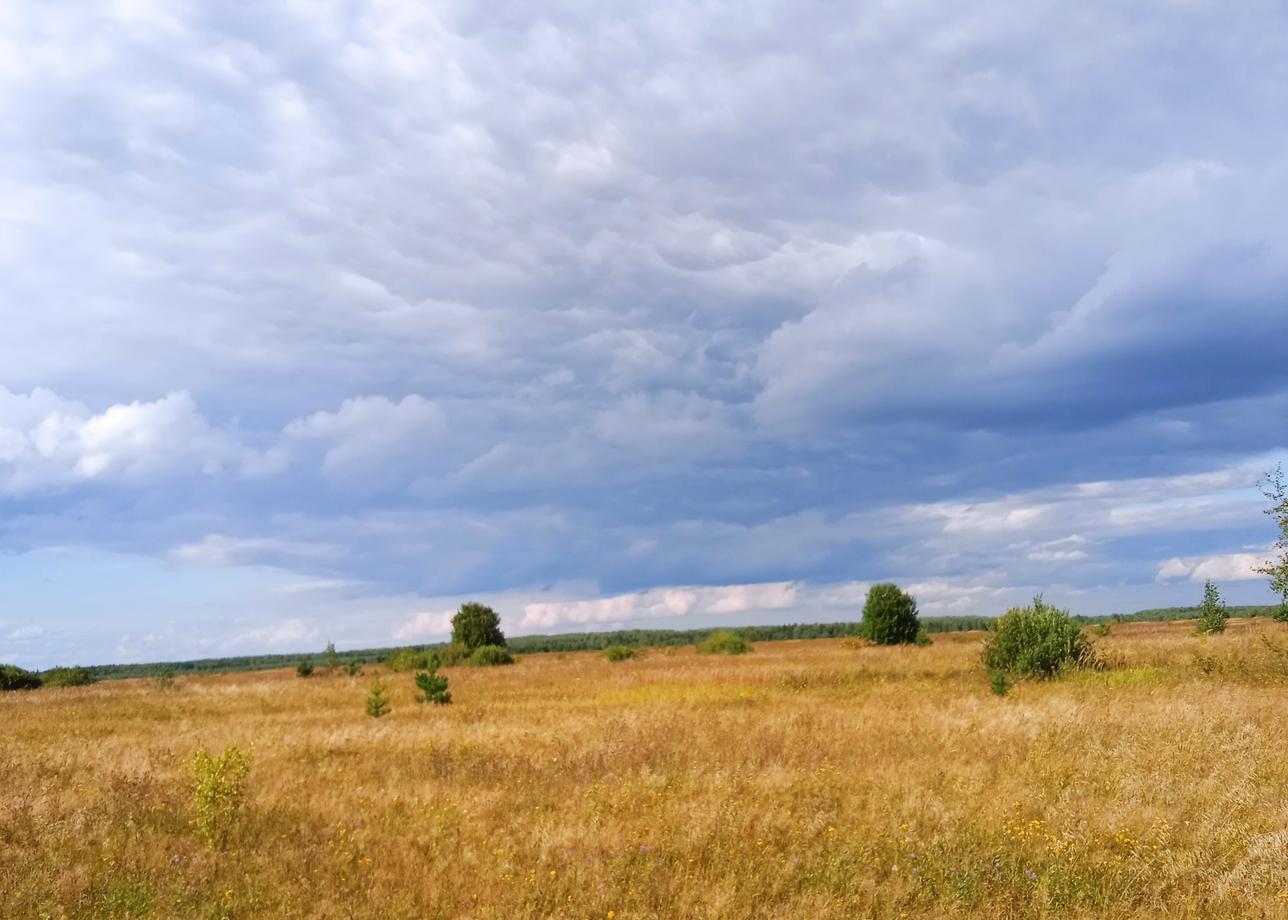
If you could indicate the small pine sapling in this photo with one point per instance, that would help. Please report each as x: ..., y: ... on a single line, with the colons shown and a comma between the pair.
x: 377, y: 702
x: 433, y: 686
x: 1212, y: 612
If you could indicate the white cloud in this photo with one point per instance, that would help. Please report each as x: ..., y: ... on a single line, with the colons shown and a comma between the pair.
x: 1066, y: 549
x: 49, y: 443
x: 946, y: 597
x: 219, y: 549
x: 744, y: 598
x: 314, y: 584
x: 370, y: 437
x: 425, y: 625
x: 1218, y: 568
x: 661, y: 603
x: 294, y: 631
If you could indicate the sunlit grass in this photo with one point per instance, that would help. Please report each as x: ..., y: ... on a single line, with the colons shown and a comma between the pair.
x: 809, y: 779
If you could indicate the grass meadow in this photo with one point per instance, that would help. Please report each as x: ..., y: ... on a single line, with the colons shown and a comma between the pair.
x: 805, y: 779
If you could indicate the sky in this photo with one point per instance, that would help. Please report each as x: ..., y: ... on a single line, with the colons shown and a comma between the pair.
x: 319, y: 318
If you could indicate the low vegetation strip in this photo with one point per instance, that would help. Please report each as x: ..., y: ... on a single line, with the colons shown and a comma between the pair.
x: 633, y: 638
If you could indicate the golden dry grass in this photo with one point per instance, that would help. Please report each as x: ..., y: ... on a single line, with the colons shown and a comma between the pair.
x: 807, y: 779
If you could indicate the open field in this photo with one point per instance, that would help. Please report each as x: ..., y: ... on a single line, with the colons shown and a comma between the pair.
x: 807, y: 779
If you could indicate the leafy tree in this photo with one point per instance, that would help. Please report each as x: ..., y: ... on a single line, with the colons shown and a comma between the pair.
x: 433, y: 686
x: 330, y: 659
x: 1212, y: 612
x: 1276, y: 491
x: 889, y: 616
x: 476, y: 625
x: 304, y: 669
x: 377, y: 702
x: 1037, y: 641
x: 13, y: 677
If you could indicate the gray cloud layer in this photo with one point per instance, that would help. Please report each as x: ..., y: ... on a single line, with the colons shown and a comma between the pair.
x: 485, y: 298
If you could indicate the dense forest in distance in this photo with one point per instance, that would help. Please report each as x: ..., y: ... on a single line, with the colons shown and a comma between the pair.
x: 594, y: 641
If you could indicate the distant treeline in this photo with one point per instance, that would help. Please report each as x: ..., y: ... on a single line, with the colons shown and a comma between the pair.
x: 1166, y: 614
x: 596, y: 641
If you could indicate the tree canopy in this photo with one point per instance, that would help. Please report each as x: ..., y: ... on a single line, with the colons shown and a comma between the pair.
x: 889, y: 615
x: 476, y: 625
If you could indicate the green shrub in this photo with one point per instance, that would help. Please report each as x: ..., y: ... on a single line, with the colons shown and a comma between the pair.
x: 453, y: 654
x: 485, y: 656
x: 923, y: 637
x: 217, y: 790
x: 723, y: 642
x: 889, y: 616
x: 1105, y: 630
x: 999, y: 683
x: 13, y: 677
x: 406, y: 659
x: 433, y: 686
x: 621, y: 653
x: 67, y: 677
x: 1037, y: 641
x: 304, y: 669
x: 1212, y: 612
x: 353, y: 668
x: 377, y: 702
x: 330, y: 659
x: 477, y: 625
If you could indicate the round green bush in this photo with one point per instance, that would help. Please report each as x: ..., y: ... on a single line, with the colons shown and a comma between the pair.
x: 1037, y: 641
x: 723, y: 642
x: 452, y: 654
x: 889, y: 616
x: 406, y: 659
x: 67, y: 677
x: 621, y: 653
x: 486, y: 656
x: 13, y: 677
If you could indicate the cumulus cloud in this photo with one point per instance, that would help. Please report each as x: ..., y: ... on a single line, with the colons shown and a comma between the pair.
x: 25, y: 633
x: 372, y: 436
x: 1221, y: 567
x: 223, y: 550
x: 659, y: 604
x: 425, y: 625
x: 49, y: 443
x: 294, y: 632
